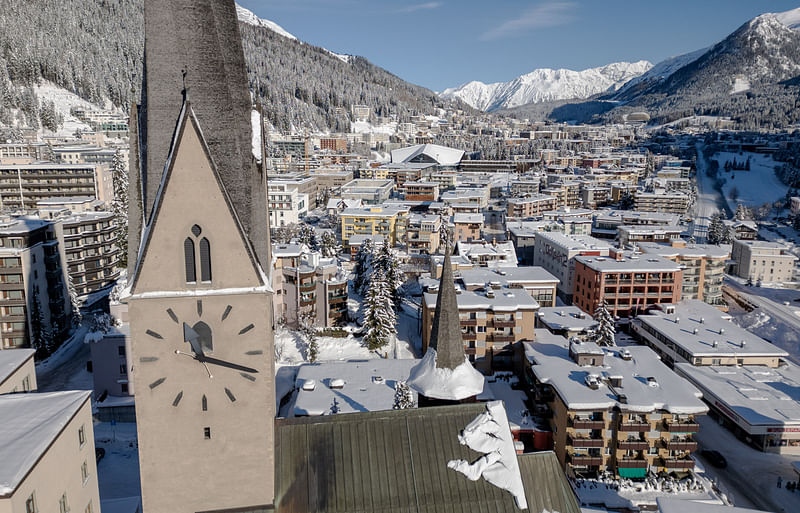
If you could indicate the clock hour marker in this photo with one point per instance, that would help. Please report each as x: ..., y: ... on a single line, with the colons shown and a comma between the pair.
x: 178, y: 398
x: 148, y: 359
x: 154, y: 334
x: 253, y: 353
x: 199, y: 307
x: 227, y: 312
x: 156, y: 383
x: 246, y: 329
x: 230, y: 395
x: 172, y: 315
x: 204, y: 403
x: 247, y: 376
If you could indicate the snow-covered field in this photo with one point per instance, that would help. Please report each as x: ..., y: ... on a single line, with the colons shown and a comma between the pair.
x: 754, y: 187
x: 64, y: 101
x: 740, y: 85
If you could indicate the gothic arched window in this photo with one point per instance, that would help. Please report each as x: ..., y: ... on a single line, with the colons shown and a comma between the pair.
x: 205, y: 259
x: 188, y: 256
x: 190, y: 246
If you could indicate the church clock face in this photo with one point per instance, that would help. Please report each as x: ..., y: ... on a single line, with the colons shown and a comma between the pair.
x: 196, y: 348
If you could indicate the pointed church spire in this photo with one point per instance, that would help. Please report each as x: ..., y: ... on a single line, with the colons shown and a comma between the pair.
x: 446, y: 328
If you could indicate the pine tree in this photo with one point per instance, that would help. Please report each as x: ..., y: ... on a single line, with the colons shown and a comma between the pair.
x: 606, y: 328
x: 363, y: 267
x: 403, y: 396
x: 307, y: 236
x: 717, y: 231
x: 41, y: 338
x: 328, y: 245
x: 119, y: 206
x: 74, y: 302
x: 389, y: 266
x: 380, y: 319
x: 309, y: 333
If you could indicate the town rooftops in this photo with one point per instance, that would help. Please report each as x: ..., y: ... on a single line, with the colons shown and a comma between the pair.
x: 20, y: 225
x: 465, y: 218
x: 645, y: 384
x: 506, y: 276
x: 433, y: 153
x: 31, y: 422
x: 570, y: 318
x: 702, y: 330
x: 503, y: 299
x: 687, y: 251
x: 629, y: 263
x: 636, y: 217
x: 760, y: 395
x: 356, y: 385
x: 11, y: 360
x: 288, y: 250
x: 575, y: 242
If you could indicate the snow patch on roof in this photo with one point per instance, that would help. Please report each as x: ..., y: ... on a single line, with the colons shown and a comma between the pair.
x: 489, y: 434
x: 452, y: 385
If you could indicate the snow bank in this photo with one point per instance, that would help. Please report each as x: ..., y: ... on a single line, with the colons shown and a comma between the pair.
x: 489, y: 434
x: 447, y: 384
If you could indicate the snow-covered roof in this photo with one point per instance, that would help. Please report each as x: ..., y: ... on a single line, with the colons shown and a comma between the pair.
x: 13, y: 359
x: 760, y: 395
x: 552, y: 364
x: 429, y: 380
x: 687, y: 251
x: 528, y: 275
x: 570, y: 318
x: 503, y: 299
x: 369, y: 385
x: 681, y: 505
x: 574, y: 242
x: 468, y: 218
x: 20, y: 225
x: 288, y: 250
x: 712, y: 326
x: 443, y: 155
x: 31, y: 422
x: 629, y: 263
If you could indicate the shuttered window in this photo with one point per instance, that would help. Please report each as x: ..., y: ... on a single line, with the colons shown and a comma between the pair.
x: 188, y: 254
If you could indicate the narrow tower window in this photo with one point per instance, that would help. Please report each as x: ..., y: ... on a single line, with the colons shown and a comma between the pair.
x: 188, y: 254
x: 205, y: 259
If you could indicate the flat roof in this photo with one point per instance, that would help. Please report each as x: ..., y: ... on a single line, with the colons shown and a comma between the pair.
x: 506, y: 276
x: 711, y: 325
x: 552, y: 364
x: 760, y: 395
x: 565, y: 317
x: 21, y: 225
x: 504, y: 300
x: 633, y: 264
x: 688, y: 251
x: 11, y: 360
x: 574, y: 242
x: 31, y: 422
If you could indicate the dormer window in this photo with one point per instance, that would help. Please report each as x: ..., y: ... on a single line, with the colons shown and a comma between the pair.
x: 190, y: 246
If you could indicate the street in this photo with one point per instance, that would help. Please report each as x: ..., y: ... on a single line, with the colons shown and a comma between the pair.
x: 709, y: 200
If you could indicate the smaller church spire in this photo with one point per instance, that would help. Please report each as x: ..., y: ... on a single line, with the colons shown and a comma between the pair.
x: 446, y: 328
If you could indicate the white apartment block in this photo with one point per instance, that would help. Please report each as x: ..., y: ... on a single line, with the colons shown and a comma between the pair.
x: 761, y: 260
x: 286, y: 205
x: 555, y: 252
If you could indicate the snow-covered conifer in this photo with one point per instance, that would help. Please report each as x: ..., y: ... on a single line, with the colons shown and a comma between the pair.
x: 380, y: 319
x: 119, y: 177
x: 605, y: 329
x: 403, y: 396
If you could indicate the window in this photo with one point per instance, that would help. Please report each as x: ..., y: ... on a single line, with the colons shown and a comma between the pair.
x: 121, y: 350
x: 123, y: 369
x: 188, y: 255
x: 82, y: 435
x: 84, y: 472
x: 124, y: 388
x: 30, y: 504
x: 205, y: 260
x: 88, y: 508
x: 62, y: 504
x: 207, y: 433
x: 205, y: 403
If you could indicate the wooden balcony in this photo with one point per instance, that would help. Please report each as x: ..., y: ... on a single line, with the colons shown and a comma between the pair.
x: 677, y: 463
x: 469, y: 336
x: 503, y: 338
x: 680, y: 445
x: 633, y: 445
x: 681, y: 427
x: 505, y: 323
x: 585, y: 442
x: 634, y: 426
x: 469, y: 322
x: 588, y: 461
x: 631, y: 463
x: 587, y: 424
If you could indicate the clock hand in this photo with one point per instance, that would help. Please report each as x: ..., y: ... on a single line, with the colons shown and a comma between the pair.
x: 191, y: 336
x: 200, y: 359
x: 222, y: 363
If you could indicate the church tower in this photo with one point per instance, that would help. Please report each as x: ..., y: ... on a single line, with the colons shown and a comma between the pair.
x: 200, y: 305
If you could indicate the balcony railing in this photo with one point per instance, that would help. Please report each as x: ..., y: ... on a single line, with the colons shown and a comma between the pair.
x: 681, y: 427
x: 680, y: 445
x: 631, y: 463
x: 469, y: 336
x: 585, y: 442
x: 469, y: 322
x: 588, y: 461
x: 634, y: 426
x: 503, y: 338
x: 678, y: 463
x: 633, y: 445
x: 504, y: 323
x: 587, y: 424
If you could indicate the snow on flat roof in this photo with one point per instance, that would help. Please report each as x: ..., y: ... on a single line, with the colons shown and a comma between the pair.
x: 712, y: 326
x: 361, y: 391
x: 511, y: 275
x: 514, y: 400
x: 690, y: 250
x: 552, y: 364
x: 11, y: 360
x: 565, y: 317
x: 19, y: 225
x: 31, y: 422
x: 645, y: 263
x: 467, y: 218
x: 681, y: 505
x: 504, y: 300
x: 758, y: 394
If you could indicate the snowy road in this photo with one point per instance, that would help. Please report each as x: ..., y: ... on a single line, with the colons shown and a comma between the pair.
x: 709, y: 199
x: 66, y: 369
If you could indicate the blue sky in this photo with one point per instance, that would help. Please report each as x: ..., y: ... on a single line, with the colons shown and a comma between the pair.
x: 444, y: 43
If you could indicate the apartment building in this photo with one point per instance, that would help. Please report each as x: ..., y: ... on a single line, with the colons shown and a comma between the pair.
x: 661, y: 201
x: 537, y: 282
x: 525, y: 186
x: 695, y: 332
x: 475, y: 197
x: 530, y: 206
x: 638, y: 234
x: 47, y: 454
x: 556, y: 253
x: 703, y: 267
x: 311, y: 285
x: 388, y: 222
x: 17, y: 371
x: 111, y: 365
x: 335, y: 144
x: 92, y: 251
x: 607, y: 223
x: 594, y: 196
x: 627, y: 283
x: 421, y: 191
x: 286, y: 204
x: 331, y: 178
x: 423, y: 234
x: 487, y: 254
x: 370, y: 192
x: 764, y: 261
x: 491, y: 320
x: 22, y: 152
x: 614, y: 410
x: 467, y: 227
x: 23, y: 185
x: 33, y: 281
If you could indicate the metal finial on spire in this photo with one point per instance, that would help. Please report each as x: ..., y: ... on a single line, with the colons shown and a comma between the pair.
x: 185, y: 91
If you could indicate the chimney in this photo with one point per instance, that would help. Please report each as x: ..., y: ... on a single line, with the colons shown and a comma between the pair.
x: 494, y: 241
x: 714, y: 344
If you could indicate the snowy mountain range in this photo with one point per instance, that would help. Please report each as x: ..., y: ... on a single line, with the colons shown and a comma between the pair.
x: 547, y: 84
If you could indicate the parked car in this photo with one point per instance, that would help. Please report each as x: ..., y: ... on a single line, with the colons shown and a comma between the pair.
x: 715, y: 458
x: 99, y: 453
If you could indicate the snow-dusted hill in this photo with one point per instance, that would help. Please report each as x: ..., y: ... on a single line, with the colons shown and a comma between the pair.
x: 249, y: 17
x: 547, y: 84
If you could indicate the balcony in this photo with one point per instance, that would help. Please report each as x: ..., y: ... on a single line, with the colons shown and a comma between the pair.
x: 503, y: 338
x: 631, y: 463
x: 634, y: 426
x: 469, y: 322
x: 677, y: 463
x: 585, y: 442
x: 680, y: 445
x: 504, y: 323
x: 633, y: 445
x: 469, y: 336
x: 585, y: 461
x: 673, y: 426
x: 587, y: 424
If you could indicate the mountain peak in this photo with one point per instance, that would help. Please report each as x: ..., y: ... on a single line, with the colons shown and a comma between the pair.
x: 249, y: 17
x: 790, y: 18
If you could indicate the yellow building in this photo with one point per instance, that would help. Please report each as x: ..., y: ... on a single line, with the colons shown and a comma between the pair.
x: 389, y: 222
